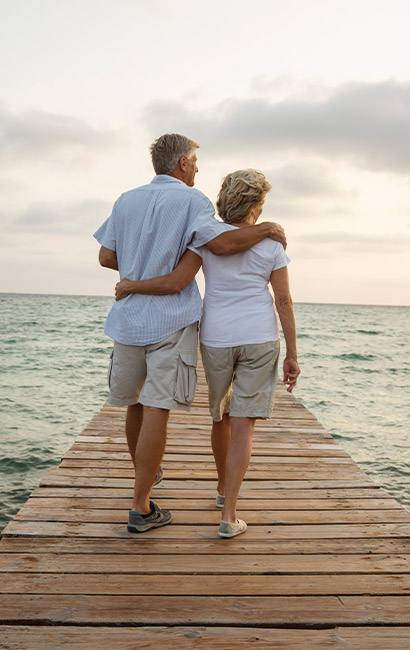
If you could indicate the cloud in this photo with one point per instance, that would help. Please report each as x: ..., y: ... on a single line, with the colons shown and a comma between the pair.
x: 367, y: 124
x: 354, y: 243
x: 306, y: 181
x: 306, y: 192
x: 38, y: 135
x: 10, y: 186
x: 62, y: 217
x: 297, y: 181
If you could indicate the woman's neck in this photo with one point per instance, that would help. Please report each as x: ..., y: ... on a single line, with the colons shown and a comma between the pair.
x: 241, y: 224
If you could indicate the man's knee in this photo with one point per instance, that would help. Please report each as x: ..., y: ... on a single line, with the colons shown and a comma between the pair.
x: 155, y: 416
x: 135, y: 408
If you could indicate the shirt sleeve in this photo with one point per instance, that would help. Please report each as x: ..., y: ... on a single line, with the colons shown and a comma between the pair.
x: 105, y: 235
x: 280, y: 259
x: 204, y: 226
x: 198, y: 251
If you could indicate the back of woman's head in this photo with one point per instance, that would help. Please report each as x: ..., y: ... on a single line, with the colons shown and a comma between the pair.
x: 240, y: 192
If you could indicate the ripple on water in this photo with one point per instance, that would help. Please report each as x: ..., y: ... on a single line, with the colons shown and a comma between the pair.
x: 355, y: 356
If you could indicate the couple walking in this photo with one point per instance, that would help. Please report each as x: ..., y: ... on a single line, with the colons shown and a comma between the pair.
x: 157, y: 237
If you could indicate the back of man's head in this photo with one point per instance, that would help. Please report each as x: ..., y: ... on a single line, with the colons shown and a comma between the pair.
x: 168, y: 149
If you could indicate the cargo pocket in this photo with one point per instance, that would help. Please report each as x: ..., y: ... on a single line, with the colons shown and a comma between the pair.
x: 109, y: 371
x: 186, y: 378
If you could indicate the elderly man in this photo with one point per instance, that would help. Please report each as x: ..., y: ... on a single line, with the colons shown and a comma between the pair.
x: 152, y: 369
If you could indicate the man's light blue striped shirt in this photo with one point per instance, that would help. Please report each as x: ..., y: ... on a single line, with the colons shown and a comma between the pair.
x: 150, y: 228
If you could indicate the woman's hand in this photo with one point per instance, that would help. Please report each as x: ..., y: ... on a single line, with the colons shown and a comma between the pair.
x: 123, y: 288
x: 291, y: 372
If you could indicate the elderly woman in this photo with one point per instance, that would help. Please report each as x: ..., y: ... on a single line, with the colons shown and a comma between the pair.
x: 239, y: 334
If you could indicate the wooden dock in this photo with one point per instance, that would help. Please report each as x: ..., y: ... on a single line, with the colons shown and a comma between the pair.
x: 325, y: 561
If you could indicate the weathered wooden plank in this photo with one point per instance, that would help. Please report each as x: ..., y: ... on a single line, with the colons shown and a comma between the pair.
x: 113, y: 459
x: 181, y: 532
x: 214, y: 585
x: 202, y: 422
x: 52, y: 479
x: 204, y: 564
x: 199, y: 610
x: 274, y: 448
x: 206, y: 490
x: 203, y: 638
x: 208, y: 503
x: 192, y: 470
x: 161, y: 545
x: 33, y: 513
x: 293, y: 439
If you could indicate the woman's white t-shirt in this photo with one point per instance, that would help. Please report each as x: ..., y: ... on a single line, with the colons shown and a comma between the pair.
x: 238, y: 307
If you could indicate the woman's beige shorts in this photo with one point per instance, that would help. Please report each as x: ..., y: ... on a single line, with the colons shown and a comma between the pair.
x: 241, y: 380
x: 161, y: 374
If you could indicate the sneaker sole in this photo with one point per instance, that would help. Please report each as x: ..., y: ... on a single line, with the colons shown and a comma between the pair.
x: 140, y: 529
x: 231, y: 534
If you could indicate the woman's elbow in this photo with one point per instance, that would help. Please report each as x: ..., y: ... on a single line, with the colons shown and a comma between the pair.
x: 284, y: 302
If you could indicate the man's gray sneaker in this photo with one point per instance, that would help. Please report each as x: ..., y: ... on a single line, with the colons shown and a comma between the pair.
x: 159, y: 476
x: 137, y: 523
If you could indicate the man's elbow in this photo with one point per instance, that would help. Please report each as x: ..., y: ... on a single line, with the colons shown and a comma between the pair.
x: 108, y: 258
x: 218, y: 246
x: 102, y: 260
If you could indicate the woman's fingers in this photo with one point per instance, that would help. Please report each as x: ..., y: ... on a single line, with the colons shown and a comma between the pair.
x: 291, y: 372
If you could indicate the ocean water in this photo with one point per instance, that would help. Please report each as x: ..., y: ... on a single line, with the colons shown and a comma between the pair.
x: 355, y: 378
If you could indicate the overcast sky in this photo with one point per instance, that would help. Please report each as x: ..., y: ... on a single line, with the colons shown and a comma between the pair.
x: 314, y: 94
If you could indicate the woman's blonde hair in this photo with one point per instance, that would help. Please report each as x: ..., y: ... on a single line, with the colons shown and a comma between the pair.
x: 240, y: 192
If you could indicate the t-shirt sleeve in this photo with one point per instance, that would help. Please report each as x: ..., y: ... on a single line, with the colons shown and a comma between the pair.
x: 204, y: 226
x: 105, y: 235
x: 280, y: 258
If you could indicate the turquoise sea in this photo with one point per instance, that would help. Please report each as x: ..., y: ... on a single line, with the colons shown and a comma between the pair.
x: 355, y: 378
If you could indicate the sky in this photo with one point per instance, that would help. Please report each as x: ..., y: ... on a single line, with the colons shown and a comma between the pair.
x: 314, y: 94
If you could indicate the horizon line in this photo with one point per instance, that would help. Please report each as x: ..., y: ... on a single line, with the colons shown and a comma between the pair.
x: 295, y: 302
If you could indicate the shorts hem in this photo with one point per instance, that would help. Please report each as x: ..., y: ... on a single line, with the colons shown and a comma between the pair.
x: 259, y: 416
x: 166, y: 406
x: 114, y: 401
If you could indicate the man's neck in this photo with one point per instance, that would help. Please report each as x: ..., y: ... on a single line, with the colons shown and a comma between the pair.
x: 175, y: 174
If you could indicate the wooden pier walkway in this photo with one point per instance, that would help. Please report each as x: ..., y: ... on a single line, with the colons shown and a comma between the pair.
x: 325, y: 561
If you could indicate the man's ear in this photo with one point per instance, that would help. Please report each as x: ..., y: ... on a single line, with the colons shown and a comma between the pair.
x: 182, y: 162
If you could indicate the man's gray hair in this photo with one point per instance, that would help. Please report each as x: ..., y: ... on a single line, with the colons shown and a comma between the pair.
x: 168, y: 149
x: 240, y: 192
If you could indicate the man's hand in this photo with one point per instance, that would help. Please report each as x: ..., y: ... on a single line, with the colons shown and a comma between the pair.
x: 291, y: 372
x: 123, y: 288
x: 276, y: 232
